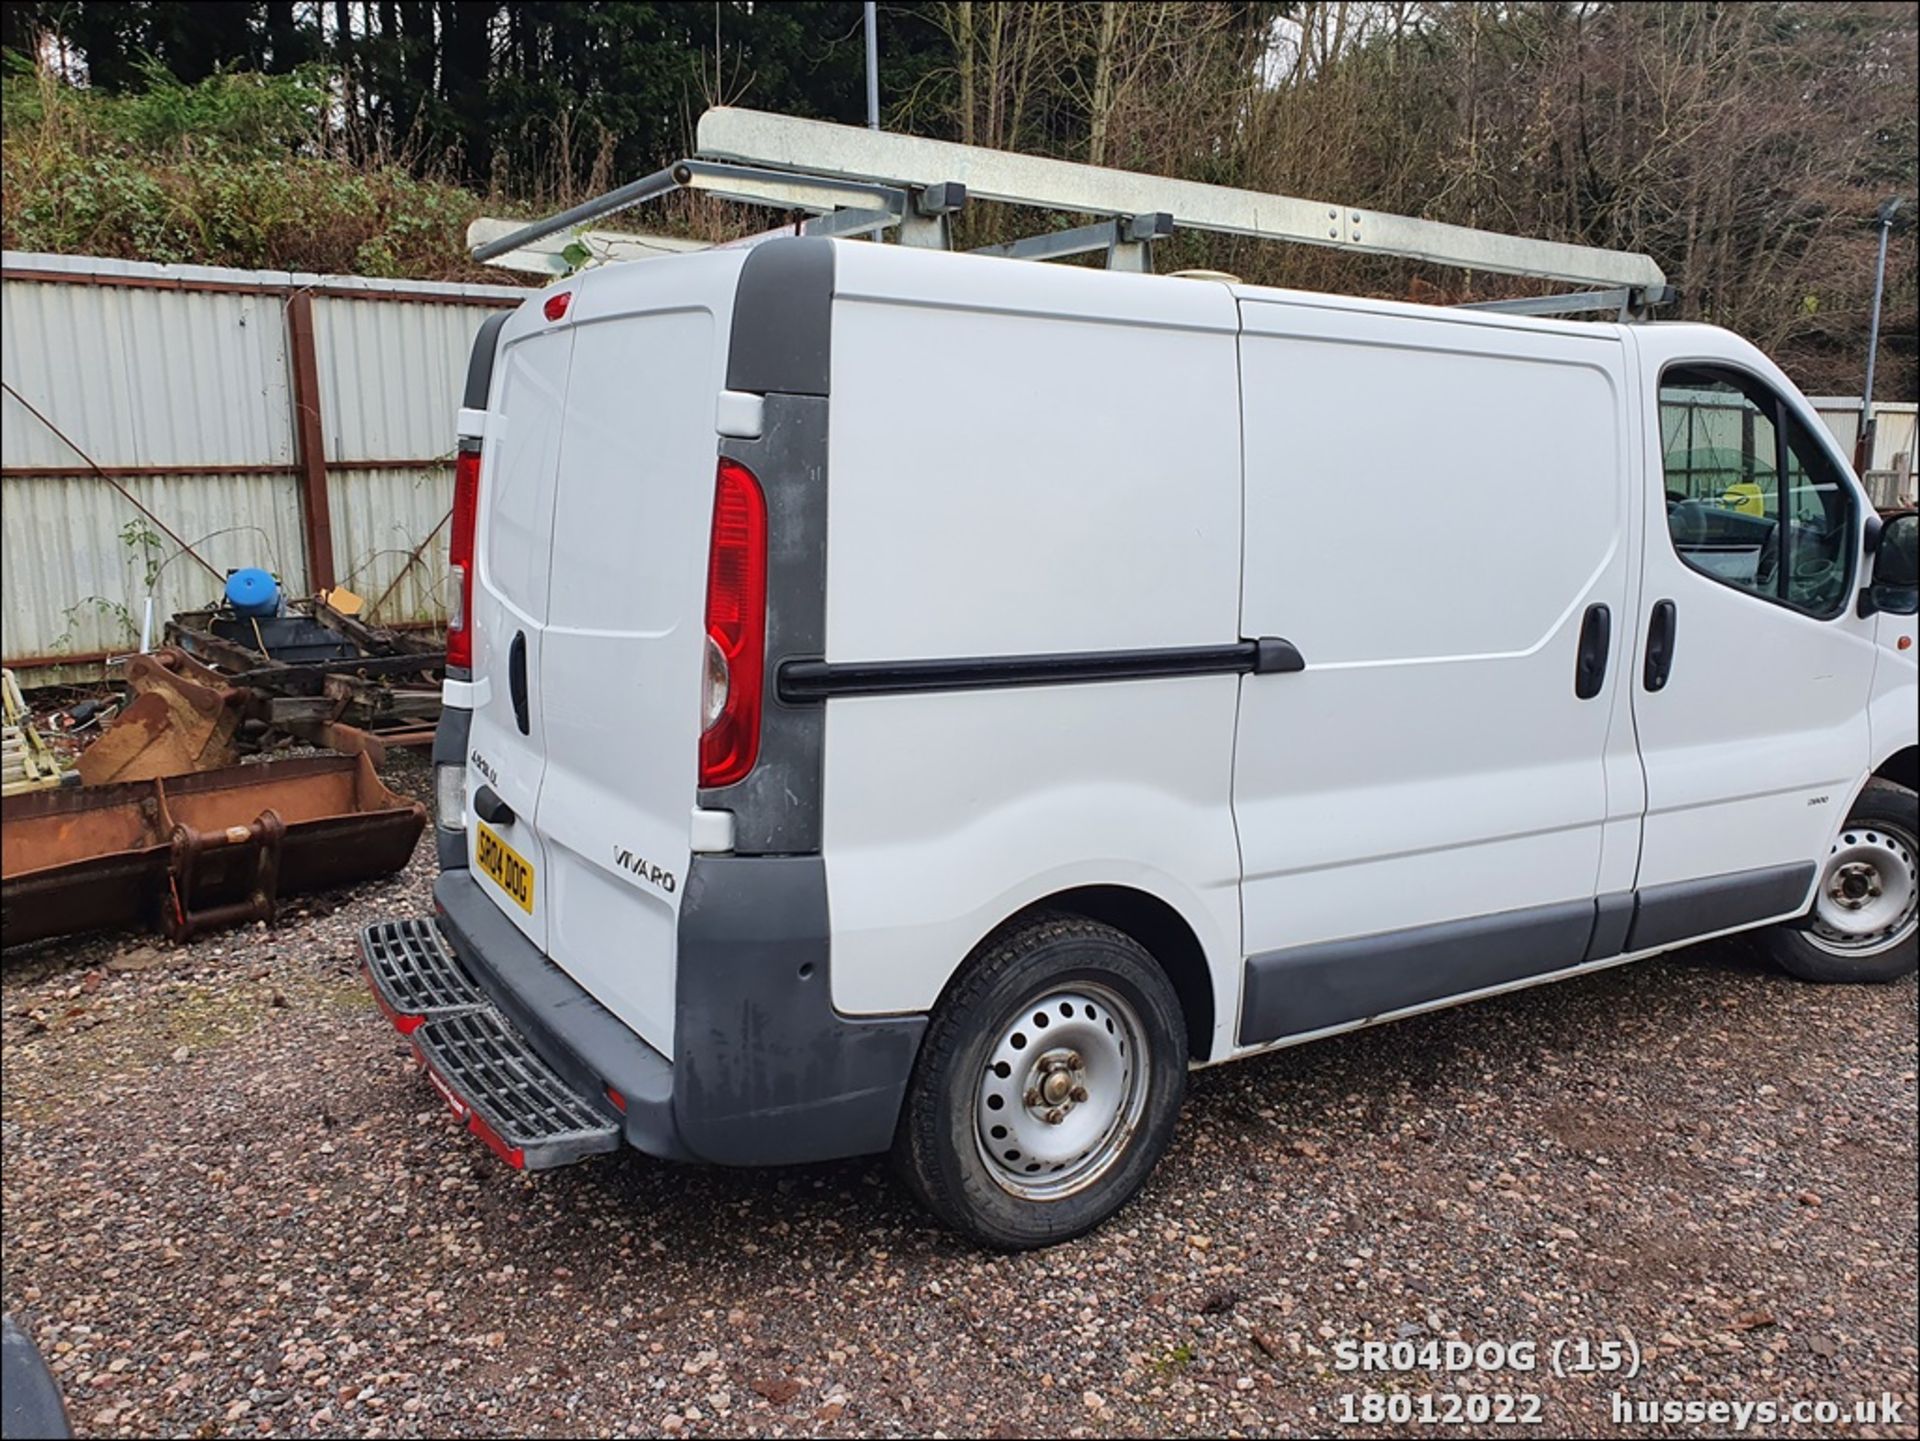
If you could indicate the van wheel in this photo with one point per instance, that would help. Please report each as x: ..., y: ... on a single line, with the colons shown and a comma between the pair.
x: 1047, y: 1086
x: 1865, y: 922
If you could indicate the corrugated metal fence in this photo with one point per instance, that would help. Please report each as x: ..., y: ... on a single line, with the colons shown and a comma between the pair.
x: 299, y: 422
x: 1890, y: 469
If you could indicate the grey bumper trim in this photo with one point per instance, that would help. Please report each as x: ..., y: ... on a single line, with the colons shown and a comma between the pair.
x: 767, y: 1071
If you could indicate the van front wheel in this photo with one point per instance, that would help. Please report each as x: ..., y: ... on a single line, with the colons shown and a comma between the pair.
x: 1865, y: 922
x: 1047, y: 1086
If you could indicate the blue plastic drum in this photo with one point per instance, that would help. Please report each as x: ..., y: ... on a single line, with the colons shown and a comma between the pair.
x: 253, y: 592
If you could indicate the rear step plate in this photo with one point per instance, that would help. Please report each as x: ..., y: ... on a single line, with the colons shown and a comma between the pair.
x: 508, y: 1096
x: 490, y: 1077
x: 413, y: 973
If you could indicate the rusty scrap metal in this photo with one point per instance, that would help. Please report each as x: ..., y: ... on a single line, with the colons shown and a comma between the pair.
x: 255, y: 852
x: 409, y: 736
x: 183, y: 718
x: 373, y: 676
x: 374, y: 638
x: 187, y: 717
x: 186, y: 853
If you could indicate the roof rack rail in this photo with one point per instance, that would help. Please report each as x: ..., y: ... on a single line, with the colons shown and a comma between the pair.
x: 1625, y: 302
x: 852, y: 181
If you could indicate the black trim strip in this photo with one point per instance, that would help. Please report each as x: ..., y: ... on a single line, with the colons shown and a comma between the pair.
x: 808, y: 680
x: 486, y: 345
x: 1335, y: 983
x: 782, y: 337
x: 1612, y: 918
x: 1683, y: 909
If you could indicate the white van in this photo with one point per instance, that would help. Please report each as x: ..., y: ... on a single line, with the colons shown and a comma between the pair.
x: 922, y: 702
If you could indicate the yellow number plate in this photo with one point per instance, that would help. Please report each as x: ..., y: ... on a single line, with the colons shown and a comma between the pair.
x: 505, y: 866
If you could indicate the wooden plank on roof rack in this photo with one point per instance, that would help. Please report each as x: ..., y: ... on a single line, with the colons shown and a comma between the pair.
x: 820, y: 148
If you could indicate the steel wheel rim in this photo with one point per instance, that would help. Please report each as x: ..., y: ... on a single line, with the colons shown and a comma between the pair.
x: 1046, y: 1127
x: 1869, y: 895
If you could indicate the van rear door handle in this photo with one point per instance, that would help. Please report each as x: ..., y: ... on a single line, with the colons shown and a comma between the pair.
x: 1660, y: 640
x: 490, y: 808
x: 1596, y: 639
x: 517, y: 681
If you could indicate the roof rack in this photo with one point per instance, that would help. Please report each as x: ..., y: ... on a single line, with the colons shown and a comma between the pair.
x: 851, y: 181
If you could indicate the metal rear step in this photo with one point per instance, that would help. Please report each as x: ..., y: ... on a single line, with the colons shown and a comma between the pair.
x: 485, y: 1071
x: 413, y: 973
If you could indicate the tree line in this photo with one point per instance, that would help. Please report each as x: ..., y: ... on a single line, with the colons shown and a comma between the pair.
x: 1745, y: 146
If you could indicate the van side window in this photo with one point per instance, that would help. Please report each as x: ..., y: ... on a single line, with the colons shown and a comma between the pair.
x: 1751, y: 500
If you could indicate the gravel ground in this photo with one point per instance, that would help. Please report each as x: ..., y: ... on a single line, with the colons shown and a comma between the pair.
x: 233, y: 1207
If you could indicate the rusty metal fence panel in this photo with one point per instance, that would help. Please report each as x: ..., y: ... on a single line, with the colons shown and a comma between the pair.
x: 299, y: 422
x: 145, y: 377
x: 391, y: 528
x: 387, y: 370
x: 1891, y: 468
x: 79, y: 560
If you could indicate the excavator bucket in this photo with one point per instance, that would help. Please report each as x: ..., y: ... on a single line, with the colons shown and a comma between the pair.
x: 183, y: 718
x: 188, y: 853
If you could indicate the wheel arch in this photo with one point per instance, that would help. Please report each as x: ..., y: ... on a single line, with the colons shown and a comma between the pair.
x: 1897, y: 768
x: 1161, y: 931
x: 1902, y: 768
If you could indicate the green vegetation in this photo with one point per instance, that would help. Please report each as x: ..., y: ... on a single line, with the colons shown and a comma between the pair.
x: 1745, y: 147
x: 234, y: 170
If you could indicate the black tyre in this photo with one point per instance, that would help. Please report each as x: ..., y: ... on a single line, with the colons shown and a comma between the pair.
x: 1047, y: 1087
x: 1865, y: 921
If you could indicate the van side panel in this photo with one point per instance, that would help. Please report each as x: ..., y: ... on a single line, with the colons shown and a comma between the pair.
x: 1433, y: 507
x: 1028, y: 459
x: 1025, y: 460
x: 947, y: 814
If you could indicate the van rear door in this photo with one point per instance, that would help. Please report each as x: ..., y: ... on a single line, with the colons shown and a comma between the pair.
x: 621, y: 656
x: 508, y: 742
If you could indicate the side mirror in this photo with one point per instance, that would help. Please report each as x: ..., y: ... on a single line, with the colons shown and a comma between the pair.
x: 1895, y: 587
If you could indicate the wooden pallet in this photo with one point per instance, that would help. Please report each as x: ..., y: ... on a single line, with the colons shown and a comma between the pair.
x: 27, y: 764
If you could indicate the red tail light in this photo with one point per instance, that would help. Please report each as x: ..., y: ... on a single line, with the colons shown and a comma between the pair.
x: 466, y: 506
x: 736, y: 628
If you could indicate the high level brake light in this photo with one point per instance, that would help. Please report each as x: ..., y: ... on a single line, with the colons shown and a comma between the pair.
x: 732, y: 680
x: 466, y: 506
